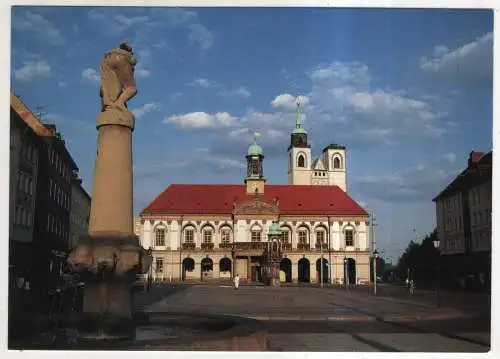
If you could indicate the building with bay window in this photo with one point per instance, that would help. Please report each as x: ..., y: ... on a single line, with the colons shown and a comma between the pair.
x: 213, y: 231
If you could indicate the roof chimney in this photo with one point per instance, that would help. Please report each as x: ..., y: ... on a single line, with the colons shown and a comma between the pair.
x: 474, y: 157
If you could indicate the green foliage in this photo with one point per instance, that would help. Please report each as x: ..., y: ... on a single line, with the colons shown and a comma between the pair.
x: 421, y: 258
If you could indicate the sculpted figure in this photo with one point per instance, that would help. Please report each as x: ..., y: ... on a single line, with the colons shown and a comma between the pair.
x: 117, y: 78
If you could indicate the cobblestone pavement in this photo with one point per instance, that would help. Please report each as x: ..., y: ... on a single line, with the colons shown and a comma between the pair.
x: 313, y: 319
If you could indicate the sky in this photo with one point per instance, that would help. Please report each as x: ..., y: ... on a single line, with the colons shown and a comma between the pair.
x: 408, y: 92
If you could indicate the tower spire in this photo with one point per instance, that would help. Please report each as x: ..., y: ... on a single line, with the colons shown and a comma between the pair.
x: 297, y: 120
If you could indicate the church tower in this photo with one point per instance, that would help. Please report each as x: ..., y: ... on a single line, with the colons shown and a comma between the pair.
x: 335, y: 161
x: 255, y: 170
x: 299, y: 155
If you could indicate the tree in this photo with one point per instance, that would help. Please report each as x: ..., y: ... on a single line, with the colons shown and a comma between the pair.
x: 419, y: 259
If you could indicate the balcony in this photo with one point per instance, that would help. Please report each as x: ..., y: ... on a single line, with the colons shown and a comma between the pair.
x: 189, y: 246
x: 286, y: 246
x: 207, y: 246
x: 249, y: 248
x: 321, y: 247
x: 225, y: 245
x: 303, y: 247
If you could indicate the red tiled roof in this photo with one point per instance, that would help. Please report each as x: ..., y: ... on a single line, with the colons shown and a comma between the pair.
x: 219, y: 198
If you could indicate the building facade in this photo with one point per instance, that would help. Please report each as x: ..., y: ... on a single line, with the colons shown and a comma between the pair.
x: 463, y: 215
x: 212, y: 232
x: 80, y: 211
x: 24, y: 155
x: 41, y: 170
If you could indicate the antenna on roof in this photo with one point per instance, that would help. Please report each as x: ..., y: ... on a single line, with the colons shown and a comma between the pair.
x: 39, y: 111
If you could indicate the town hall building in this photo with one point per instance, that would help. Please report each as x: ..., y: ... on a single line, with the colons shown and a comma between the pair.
x: 215, y: 231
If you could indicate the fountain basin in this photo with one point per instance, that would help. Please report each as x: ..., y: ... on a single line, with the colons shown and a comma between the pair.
x: 156, y: 331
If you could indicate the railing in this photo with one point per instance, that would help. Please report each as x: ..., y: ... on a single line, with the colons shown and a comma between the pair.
x: 191, y: 246
x: 246, y: 246
x: 286, y: 246
x: 303, y: 247
x: 225, y: 245
x: 206, y: 246
x: 319, y: 246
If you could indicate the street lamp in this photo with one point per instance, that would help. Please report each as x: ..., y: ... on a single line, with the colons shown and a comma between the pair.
x: 438, y: 274
x: 346, y: 276
x: 375, y: 256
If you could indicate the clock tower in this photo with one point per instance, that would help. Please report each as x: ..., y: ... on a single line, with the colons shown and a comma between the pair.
x: 255, y: 171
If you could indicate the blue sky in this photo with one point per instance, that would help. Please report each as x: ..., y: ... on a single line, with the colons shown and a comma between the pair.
x: 409, y: 92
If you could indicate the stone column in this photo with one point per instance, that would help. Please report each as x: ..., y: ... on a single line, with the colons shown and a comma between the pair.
x: 110, y: 256
x: 312, y: 272
x: 295, y: 272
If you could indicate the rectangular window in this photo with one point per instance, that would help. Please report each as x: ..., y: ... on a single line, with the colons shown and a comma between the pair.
x: 189, y: 236
x: 226, y: 236
x: 286, y: 236
x: 320, y: 237
x: 256, y: 236
x: 302, y: 237
x: 207, y: 236
x: 349, y: 238
x: 160, y: 238
x: 159, y: 265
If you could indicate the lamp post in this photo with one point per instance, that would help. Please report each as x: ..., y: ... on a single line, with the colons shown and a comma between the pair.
x: 438, y: 274
x: 375, y: 256
x: 346, y: 276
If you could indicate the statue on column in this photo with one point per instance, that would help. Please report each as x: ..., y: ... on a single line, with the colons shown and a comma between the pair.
x: 117, y: 78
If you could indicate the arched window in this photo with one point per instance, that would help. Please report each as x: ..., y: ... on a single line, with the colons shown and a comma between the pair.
x: 301, y: 161
x: 349, y: 238
x: 160, y: 237
x: 336, y: 162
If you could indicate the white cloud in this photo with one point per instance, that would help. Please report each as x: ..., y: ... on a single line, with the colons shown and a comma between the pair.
x: 39, y: 27
x: 200, y: 35
x: 289, y: 102
x: 32, y: 70
x: 470, y: 62
x: 202, y: 120
x: 239, y: 92
x: 201, y: 82
x: 416, y: 183
x: 141, y: 72
x: 342, y: 91
x: 142, y: 111
x: 113, y: 22
x: 351, y: 72
x: 91, y: 76
x: 450, y: 157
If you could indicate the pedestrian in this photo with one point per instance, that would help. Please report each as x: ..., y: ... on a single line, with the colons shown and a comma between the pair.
x: 412, y: 287
x: 236, y: 281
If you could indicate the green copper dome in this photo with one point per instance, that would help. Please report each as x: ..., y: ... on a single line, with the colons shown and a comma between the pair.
x: 255, y: 149
x: 299, y: 130
x: 275, y: 229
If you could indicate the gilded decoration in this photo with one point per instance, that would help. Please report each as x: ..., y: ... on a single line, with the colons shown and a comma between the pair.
x: 256, y: 206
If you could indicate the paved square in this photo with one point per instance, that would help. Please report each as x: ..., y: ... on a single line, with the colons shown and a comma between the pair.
x: 314, y: 319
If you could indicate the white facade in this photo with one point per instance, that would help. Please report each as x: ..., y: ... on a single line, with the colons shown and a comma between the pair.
x: 171, y: 243
x: 329, y: 170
